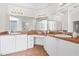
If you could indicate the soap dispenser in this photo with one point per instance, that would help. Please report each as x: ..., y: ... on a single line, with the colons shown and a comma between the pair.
x: 74, y: 34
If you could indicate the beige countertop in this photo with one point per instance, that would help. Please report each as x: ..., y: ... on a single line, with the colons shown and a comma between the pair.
x: 74, y: 40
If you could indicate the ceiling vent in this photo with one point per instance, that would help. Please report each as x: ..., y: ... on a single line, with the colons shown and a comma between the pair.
x: 62, y: 4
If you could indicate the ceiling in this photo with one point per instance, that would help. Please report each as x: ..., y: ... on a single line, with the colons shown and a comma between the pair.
x: 35, y: 6
x: 40, y: 8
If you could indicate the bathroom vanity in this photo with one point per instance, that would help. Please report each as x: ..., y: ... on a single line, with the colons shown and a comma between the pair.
x: 14, y: 43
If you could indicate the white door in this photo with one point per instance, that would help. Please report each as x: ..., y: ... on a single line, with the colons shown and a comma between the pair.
x: 30, y: 41
x: 7, y: 44
x: 65, y: 48
x: 21, y: 42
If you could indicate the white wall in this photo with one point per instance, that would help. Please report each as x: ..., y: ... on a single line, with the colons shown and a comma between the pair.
x: 4, y: 17
x: 48, y: 11
x: 59, y: 19
x: 65, y: 21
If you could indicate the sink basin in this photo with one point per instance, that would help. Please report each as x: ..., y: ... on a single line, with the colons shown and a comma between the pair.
x: 63, y: 35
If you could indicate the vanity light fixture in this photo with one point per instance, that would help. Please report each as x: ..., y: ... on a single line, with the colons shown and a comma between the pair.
x: 17, y: 11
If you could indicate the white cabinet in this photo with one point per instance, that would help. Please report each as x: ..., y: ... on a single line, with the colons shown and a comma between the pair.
x: 58, y: 47
x: 21, y: 42
x: 47, y: 45
x: 30, y: 41
x: 7, y: 44
x: 78, y: 50
x: 50, y: 45
x: 39, y: 40
x: 65, y: 48
x: 77, y: 45
x: 12, y: 43
x: 53, y: 43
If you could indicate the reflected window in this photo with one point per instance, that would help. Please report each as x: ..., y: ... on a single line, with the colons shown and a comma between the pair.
x: 52, y: 25
x: 42, y: 25
x: 13, y: 24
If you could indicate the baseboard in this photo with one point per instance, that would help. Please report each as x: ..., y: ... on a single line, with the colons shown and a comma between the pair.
x: 38, y: 45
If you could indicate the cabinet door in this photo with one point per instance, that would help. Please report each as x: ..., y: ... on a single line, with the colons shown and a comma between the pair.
x: 3, y: 45
x: 39, y: 40
x: 53, y: 46
x: 65, y: 48
x: 21, y: 42
x: 77, y: 45
x: 30, y: 41
x: 45, y: 44
x: 50, y: 46
x: 7, y: 44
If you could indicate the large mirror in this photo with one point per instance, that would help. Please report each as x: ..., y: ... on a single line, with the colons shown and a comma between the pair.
x: 15, y: 24
x: 25, y: 24
x: 21, y: 24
